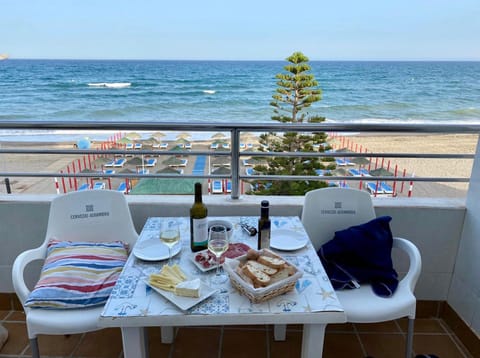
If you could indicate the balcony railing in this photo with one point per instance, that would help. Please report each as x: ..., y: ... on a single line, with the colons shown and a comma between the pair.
x: 234, y: 152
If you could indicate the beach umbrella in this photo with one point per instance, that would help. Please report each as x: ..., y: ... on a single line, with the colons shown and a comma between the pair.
x: 158, y: 135
x: 168, y: 170
x: 183, y: 135
x: 172, y: 161
x: 223, y: 170
x: 133, y: 136
x: 218, y: 135
x: 124, y: 140
x: 183, y: 141
x: 150, y: 141
x: 220, y: 160
x: 135, y: 161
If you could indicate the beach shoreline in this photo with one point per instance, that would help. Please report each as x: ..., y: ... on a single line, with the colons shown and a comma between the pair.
x: 364, y: 142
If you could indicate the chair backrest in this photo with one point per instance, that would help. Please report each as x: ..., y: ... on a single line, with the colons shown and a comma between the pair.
x: 331, y: 209
x: 92, y: 215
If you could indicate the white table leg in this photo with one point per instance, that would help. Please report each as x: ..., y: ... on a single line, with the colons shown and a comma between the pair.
x: 167, y: 333
x: 312, y: 341
x: 279, y: 332
x: 134, y: 344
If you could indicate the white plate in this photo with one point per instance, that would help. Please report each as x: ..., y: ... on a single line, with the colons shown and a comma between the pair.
x: 185, y: 303
x: 154, y: 250
x: 287, y: 240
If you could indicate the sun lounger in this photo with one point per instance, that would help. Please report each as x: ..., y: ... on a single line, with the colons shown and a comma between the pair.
x: 354, y: 172
x: 217, y: 187
x: 122, y: 187
x: 156, y: 145
x: 99, y: 185
x: 348, y: 162
x: 250, y: 145
x: 373, y: 188
x: 340, y: 162
x: 109, y: 164
x: 84, y: 186
x: 225, y: 146
x: 364, y: 172
x: 138, y: 146
x: 151, y: 162
x: 250, y: 171
x: 143, y: 171
x: 188, y: 145
x: 214, y: 146
x: 228, y: 186
x: 119, y: 163
x: 109, y: 171
x: 242, y: 146
x: 322, y: 172
x: 246, y: 163
x: 129, y: 146
x: 387, y: 189
x: 164, y: 146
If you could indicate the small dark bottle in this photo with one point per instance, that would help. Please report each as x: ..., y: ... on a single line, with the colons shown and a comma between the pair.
x: 264, y: 226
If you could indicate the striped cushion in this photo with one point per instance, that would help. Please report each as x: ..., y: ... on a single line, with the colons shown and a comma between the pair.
x: 78, y: 274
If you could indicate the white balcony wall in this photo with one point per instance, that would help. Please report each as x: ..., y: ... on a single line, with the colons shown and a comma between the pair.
x: 464, y: 294
x: 434, y: 225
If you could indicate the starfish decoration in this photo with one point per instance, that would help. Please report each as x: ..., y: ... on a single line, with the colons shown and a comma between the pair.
x: 326, y: 294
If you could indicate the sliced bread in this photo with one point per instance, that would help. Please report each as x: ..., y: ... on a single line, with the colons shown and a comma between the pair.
x: 261, y: 267
x: 273, y: 262
x: 257, y: 276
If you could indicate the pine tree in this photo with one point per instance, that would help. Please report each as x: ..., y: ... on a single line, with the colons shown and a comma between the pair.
x: 297, y: 90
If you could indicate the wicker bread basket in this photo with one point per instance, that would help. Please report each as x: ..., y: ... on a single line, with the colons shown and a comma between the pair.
x: 261, y: 294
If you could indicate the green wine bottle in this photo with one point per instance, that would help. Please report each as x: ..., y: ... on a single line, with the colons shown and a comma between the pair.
x: 198, y: 222
x: 264, y: 227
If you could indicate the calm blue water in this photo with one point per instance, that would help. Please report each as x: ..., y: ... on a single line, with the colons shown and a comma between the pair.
x: 174, y: 91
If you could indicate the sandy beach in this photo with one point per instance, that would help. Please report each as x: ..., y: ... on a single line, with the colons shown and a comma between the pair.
x: 389, y: 143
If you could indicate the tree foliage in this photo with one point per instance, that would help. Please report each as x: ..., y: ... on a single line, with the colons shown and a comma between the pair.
x: 297, y: 90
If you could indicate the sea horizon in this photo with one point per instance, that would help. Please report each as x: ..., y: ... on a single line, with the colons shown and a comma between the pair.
x: 224, y: 91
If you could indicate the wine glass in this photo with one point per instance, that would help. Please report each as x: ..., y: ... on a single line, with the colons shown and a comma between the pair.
x: 170, y: 235
x: 218, y: 244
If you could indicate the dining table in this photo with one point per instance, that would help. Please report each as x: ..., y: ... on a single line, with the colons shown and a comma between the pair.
x: 134, y: 305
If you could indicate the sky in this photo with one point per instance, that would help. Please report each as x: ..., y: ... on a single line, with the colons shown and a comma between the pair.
x: 241, y: 30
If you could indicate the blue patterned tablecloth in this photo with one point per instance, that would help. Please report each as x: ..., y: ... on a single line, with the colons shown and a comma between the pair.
x: 131, y: 297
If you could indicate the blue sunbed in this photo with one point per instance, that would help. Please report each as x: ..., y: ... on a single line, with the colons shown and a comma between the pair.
x: 354, y: 172
x: 109, y: 164
x: 99, y: 185
x: 340, y: 162
x: 364, y: 172
x: 387, y: 189
x: 84, y: 186
x: 119, y: 163
x: 122, y: 187
x: 217, y: 187
x: 151, y: 162
x: 373, y: 188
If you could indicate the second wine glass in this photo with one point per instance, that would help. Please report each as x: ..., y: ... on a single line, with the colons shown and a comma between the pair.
x: 218, y: 244
x: 170, y: 235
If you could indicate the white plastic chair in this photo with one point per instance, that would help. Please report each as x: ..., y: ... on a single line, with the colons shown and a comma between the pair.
x: 331, y: 209
x: 116, y: 226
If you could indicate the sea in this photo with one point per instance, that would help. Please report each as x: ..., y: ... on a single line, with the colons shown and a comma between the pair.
x: 231, y: 92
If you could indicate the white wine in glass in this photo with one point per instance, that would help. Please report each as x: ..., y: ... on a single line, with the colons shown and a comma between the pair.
x: 218, y: 244
x: 170, y: 235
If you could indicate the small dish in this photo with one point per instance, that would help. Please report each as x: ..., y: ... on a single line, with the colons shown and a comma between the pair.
x: 228, y: 225
x: 185, y: 303
x: 205, y: 260
x: 154, y: 250
x: 287, y: 240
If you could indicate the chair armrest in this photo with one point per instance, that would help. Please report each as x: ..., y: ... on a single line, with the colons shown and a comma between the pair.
x: 18, y: 269
x: 415, y: 261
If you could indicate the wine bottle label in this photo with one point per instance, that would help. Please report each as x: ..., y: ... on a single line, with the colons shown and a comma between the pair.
x: 200, y: 232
